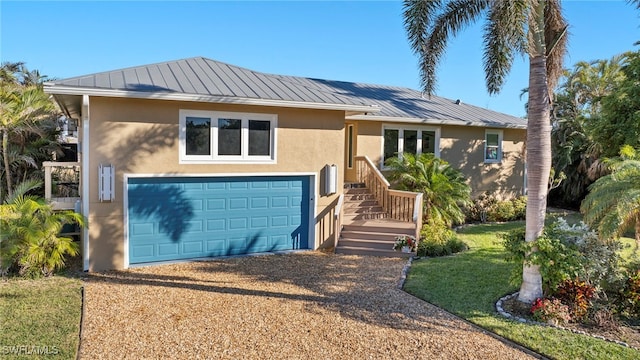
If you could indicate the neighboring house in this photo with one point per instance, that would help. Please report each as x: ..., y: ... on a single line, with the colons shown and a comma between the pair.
x: 212, y: 159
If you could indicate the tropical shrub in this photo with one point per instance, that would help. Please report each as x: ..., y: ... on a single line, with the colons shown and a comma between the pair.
x: 630, y: 297
x: 30, y: 240
x: 565, y: 252
x: 577, y: 295
x: 488, y: 208
x: 550, y: 310
x: 436, y: 239
x: 613, y: 203
x: 445, y: 189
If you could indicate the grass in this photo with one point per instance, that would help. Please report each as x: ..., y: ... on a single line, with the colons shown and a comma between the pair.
x: 40, y: 318
x: 468, y: 284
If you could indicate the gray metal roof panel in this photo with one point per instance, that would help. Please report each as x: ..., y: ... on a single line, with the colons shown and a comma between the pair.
x: 202, y: 76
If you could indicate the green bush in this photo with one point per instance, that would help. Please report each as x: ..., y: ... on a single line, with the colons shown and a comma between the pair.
x: 565, y: 252
x: 30, y: 238
x: 502, y: 211
x: 487, y: 207
x: 577, y: 295
x: 436, y: 239
x: 630, y: 297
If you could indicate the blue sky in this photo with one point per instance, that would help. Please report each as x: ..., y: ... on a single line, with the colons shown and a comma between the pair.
x: 341, y: 40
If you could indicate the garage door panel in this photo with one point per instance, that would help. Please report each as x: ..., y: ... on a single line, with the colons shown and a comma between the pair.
x: 182, y: 218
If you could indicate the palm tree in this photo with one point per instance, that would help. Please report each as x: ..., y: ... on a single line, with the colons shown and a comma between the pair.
x: 576, y: 104
x: 535, y: 28
x: 23, y: 107
x: 613, y: 203
x: 30, y: 233
x: 445, y: 189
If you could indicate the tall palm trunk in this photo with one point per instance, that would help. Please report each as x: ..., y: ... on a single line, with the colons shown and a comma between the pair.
x: 539, y: 165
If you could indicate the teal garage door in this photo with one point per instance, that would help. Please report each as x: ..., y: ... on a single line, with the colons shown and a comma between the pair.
x: 173, y: 218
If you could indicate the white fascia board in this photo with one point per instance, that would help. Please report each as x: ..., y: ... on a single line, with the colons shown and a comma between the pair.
x: 434, y: 121
x: 51, y: 88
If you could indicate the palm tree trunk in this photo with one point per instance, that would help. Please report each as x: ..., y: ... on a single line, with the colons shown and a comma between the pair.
x: 5, y: 158
x: 538, y: 160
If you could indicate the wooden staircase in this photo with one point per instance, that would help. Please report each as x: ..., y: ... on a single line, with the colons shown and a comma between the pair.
x: 366, y: 228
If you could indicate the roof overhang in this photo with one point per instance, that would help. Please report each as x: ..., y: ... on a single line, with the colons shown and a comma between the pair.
x: 414, y: 120
x: 52, y: 88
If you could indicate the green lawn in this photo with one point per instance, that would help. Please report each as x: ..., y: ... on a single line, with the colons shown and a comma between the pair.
x: 40, y: 318
x: 468, y: 284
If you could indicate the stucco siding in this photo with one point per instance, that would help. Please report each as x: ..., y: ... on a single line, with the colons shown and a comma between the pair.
x: 463, y: 148
x: 141, y: 137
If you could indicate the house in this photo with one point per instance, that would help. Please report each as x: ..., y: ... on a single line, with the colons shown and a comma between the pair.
x: 196, y: 158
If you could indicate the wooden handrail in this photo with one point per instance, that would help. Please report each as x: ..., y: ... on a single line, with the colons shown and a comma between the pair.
x: 398, y: 204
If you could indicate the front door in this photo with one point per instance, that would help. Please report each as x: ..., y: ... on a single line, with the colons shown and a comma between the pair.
x: 351, y: 138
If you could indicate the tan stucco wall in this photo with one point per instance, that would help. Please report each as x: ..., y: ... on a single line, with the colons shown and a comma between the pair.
x: 463, y: 148
x: 141, y: 137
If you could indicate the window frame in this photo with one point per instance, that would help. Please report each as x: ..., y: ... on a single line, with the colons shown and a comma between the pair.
x: 213, y: 157
x: 499, y: 146
x: 401, y: 129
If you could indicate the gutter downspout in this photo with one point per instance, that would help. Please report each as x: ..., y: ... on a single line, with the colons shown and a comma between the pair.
x: 85, y: 180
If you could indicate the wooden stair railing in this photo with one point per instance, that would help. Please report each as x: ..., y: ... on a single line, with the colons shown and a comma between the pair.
x: 399, y: 205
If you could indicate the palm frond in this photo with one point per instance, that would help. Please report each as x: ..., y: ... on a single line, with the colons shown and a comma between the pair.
x: 556, y: 38
x: 504, y: 35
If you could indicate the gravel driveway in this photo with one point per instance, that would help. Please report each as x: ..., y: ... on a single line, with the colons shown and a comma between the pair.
x: 295, y: 306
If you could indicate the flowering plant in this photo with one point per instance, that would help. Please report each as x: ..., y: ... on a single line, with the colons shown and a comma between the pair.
x: 552, y: 311
x: 405, y: 240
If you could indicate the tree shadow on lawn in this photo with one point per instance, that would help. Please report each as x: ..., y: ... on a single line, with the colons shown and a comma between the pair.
x: 356, y: 287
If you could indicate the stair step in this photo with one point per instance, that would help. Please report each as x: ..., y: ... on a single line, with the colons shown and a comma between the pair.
x: 380, y: 228
x: 349, y: 218
x: 364, y: 210
x: 349, y: 250
x: 354, y: 185
x: 358, y: 191
x: 370, y: 243
x: 359, y: 202
x: 364, y: 234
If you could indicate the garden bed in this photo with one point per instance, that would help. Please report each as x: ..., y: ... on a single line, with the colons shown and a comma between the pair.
x: 613, y: 331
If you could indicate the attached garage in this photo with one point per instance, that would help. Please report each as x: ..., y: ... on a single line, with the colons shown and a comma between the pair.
x: 174, y: 218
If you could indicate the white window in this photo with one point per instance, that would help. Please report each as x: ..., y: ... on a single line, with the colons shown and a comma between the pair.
x: 227, y: 137
x: 493, y: 146
x: 415, y: 140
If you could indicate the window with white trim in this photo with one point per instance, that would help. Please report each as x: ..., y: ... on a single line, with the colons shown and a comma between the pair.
x: 412, y: 139
x: 227, y: 137
x: 492, y: 146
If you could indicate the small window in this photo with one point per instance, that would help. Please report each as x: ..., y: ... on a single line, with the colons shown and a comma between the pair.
x: 390, y: 143
x: 350, y: 147
x: 411, y: 141
x: 198, y: 136
x: 229, y: 141
x: 493, y: 146
x: 259, y: 137
x: 226, y: 137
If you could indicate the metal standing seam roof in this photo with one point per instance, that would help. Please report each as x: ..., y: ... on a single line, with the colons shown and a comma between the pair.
x: 206, y: 77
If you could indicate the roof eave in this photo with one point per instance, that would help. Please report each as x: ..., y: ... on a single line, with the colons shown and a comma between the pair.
x: 52, y: 88
x: 435, y: 121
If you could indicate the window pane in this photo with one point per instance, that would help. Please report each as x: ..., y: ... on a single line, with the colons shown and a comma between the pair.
x: 198, y: 136
x: 390, y: 144
x: 492, y: 139
x: 229, y: 131
x: 259, y: 137
x: 411, y: 141
x: 492, y: 153
x: 429, y: 142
